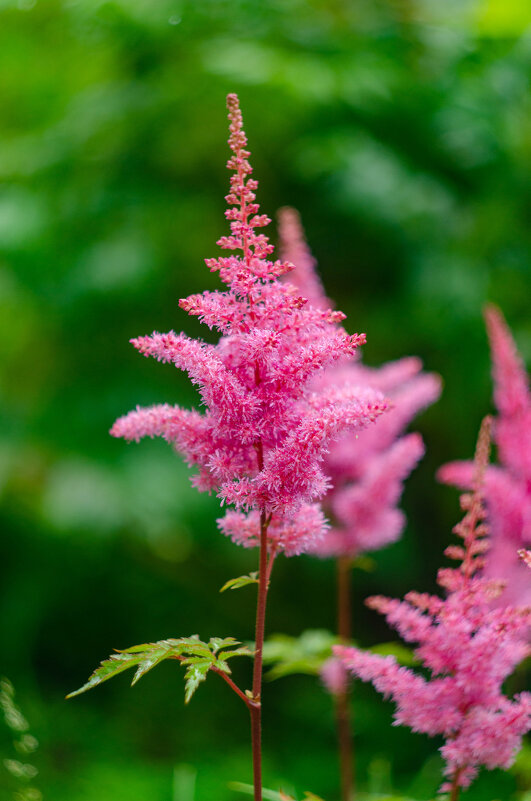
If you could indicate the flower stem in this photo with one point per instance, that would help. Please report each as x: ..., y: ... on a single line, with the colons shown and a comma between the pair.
x: 256, y: 710
x: 343, y: 713
x: 454, y: 793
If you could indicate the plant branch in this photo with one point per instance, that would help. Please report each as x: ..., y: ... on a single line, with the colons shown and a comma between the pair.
x: 249, y: 702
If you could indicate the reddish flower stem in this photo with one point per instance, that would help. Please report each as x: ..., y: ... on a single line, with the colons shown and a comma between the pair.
x: 454, y: 793
x: 343, y: 713
x: 256, y: 709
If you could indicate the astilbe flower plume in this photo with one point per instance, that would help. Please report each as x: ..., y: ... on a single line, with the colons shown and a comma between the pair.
x: 366, y: 469
x: 261, y: 441
x: 507, y: 486
x: 468, y: 646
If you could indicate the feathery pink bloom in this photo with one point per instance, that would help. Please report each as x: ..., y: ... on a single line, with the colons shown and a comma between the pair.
x: 507, y: 487
x: 263, y: 436
x: 469, y: 647
x: 334, y: 676
x: 366, y: 469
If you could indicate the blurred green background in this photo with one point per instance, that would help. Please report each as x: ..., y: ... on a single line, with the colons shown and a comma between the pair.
x: 401, y: 130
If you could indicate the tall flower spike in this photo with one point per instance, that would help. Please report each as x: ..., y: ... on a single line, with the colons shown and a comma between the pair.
x: 468, y: 647
x: 507, y: 487
x: 366, y: 469
x: 294, y: 249
x: 262, y: 438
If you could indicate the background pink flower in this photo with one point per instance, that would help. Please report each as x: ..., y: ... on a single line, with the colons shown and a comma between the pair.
x: 507, y: 486
x: 367, y: 469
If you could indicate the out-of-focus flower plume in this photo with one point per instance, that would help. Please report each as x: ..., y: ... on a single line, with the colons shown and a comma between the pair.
x: 367, y: 469
x: 507, y: 486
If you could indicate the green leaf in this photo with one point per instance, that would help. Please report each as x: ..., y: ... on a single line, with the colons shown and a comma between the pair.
x: 365, y: 563
x: 148, y: 663
x: 116, y: 664
x: 197, y: 656
x: 215, y: 643
x: 243, y: 651
x: 241, y: 581
x: 248, y: 789
x: 195, y: 674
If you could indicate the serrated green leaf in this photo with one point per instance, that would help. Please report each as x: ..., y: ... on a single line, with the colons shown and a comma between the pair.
x: 193, y: 640
x: 200, y: 651
x: 215, y: 643
x: 243, y: 651
x: 241, y: 581
x: 209, y: 660
x: 116, y: 664
x: 195, y: 674
x: 155, y: 658
x: 137, y: 649
x: 198, y: 656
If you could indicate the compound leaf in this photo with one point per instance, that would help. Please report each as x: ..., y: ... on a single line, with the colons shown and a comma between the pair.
x: 198, y: 657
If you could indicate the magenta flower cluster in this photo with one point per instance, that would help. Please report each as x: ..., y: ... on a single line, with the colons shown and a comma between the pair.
x: 469, y: 648
x: 261, y: 442
x: 507, y: 486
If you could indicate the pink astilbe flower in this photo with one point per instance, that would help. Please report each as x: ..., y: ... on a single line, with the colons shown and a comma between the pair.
x: 334, y: 676
x: 507, y: 487
x: 262, y: 439
x: 468, y: 646
x: 367, y: 469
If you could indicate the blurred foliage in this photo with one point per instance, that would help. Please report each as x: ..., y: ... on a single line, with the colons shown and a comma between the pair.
x: 304, y: 654
x: 401, y: 131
